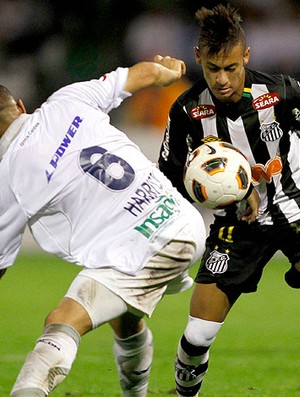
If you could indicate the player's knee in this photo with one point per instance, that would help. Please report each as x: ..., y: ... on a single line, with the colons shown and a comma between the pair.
x: 134, y: 358
x: 50, y: 361
x: 200, y: 332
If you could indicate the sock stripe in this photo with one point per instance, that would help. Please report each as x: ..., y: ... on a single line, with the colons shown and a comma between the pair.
x: 192, y: 350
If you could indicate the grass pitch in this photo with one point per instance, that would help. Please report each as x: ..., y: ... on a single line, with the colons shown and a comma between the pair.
x: 256, y: 353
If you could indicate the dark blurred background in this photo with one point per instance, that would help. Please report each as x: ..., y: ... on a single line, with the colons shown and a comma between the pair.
x: 47, y: 44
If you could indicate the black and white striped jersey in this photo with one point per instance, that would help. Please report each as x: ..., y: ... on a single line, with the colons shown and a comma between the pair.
x: 264, y: 125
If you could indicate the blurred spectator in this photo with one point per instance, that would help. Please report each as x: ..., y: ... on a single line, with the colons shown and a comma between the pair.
x: 24, y: 25
x: 150, y: 33
x: 272, y: 29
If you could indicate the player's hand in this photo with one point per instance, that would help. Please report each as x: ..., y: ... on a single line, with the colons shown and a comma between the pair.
x: 173, y: 69
x: 251, y: 212
x: 160, y: 73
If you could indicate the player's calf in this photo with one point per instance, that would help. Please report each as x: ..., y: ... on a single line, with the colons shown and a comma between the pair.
x: 133, y: 356
x: 49, y: 363
x: 191, y: 363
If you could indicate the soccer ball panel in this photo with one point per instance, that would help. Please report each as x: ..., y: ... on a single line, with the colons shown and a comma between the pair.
x: 217, y: 174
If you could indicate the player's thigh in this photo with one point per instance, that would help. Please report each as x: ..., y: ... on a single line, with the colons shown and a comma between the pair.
x: 98, y: 302
x: 209, y: 303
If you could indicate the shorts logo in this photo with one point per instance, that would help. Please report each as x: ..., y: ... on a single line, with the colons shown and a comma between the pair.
x: 203, y: 111
x: 270, y: 132
x: 217, y: 262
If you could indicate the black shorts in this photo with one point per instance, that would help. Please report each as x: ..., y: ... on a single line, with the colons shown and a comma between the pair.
x: 236, y: 255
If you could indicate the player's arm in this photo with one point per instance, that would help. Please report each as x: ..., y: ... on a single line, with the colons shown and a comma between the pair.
x: 293, y: 95
x: 160, y: 73
x: 251, y: 211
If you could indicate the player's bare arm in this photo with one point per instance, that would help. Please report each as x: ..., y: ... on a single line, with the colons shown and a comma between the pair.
x: 251, y: 212
x: 162, y: 72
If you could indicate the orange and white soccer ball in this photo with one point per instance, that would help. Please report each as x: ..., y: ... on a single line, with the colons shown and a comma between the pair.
x: 217, y: 174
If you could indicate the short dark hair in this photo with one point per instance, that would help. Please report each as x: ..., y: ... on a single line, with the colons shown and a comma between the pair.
x: 220, y: 29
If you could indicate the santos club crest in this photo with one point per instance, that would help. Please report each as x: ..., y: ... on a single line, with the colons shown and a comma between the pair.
x: 270, y: 132
x: 217, y: 262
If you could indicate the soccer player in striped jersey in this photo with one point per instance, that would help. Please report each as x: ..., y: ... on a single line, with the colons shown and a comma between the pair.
x: 259, y: 113
x: 91, y: 197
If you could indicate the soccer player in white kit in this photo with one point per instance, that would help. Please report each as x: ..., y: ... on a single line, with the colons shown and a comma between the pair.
x: 89, y: 196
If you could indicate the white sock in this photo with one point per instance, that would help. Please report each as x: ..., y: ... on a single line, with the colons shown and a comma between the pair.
x: 49, y: 363
x: 133, y: 357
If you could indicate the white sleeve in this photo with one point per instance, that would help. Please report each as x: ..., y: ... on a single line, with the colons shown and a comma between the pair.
x: 12, y: 226
x: 105, y: 93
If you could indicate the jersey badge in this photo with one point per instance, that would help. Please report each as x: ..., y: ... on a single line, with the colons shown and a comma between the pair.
x: 203, y: 111
x: 266, y: 101
x: 270, y: 132
x: 217, y: 262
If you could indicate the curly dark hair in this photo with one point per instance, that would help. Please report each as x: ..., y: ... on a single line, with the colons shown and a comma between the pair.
x: 220, y: 29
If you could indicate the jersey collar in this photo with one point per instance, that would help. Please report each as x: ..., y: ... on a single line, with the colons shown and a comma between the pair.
x: 11, y: 133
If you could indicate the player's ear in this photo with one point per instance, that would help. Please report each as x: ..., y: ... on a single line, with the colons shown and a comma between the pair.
x: 246, y: 55
x: 197, y: 55
x: 21, y: 106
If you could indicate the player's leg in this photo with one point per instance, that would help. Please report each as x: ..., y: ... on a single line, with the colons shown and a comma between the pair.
x: 52, y: 357
x: 133, y: 350
x: 292, y: 276
x: 209, y: 307
x: 87, y: 305
x: 291, y: 248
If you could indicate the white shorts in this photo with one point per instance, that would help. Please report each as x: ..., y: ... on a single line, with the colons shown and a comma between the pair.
x: 99, y: 290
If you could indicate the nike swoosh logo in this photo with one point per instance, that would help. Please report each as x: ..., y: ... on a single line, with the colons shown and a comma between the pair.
x: 212, y: 150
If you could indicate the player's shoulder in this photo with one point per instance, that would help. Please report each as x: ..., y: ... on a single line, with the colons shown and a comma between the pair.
x: 270, y: 79
x: 285, y: 85
x: 259, y: 77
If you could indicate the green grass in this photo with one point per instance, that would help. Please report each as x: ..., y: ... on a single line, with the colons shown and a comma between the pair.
x: 256, y: 354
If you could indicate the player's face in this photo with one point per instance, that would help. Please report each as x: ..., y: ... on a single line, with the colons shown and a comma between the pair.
x: 225, y: 74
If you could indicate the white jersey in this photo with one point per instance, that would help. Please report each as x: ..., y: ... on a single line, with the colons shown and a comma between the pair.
x: 85, y: 190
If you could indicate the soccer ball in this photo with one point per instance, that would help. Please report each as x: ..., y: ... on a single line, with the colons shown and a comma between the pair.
x: 217, y: 174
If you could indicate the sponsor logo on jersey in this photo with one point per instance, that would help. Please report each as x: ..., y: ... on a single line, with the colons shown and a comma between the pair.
x: 217, y: 262
x: 266, y: 101
x: 165, y: 144
x: 62, y: 148
x: 166, y: 209
x: 189, y: 143
x: 203, y: 111
x: 266, y: 172
x: 296, y: 114
x: 28, y: 134
x: 270, y: 132
x: 210, y: 138
x: 148, y: 191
